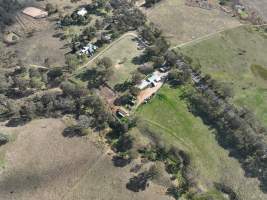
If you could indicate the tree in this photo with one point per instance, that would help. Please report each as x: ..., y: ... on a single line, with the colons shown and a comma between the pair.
x: 89, y: 33
x: 68, y: 88
x: 137, y: 77
x: 174, y: 76
x: 171, y: 57
x: 124, y: 143
x: 3, y: 139
x: 54, y: 73
x: 98, y: 24
x: 106, y: 62
x: 72, y: 61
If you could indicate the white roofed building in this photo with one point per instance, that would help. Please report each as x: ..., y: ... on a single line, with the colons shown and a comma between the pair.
x: 82, y: 12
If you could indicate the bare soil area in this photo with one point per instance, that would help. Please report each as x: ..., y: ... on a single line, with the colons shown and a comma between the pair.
x: 41, y: 164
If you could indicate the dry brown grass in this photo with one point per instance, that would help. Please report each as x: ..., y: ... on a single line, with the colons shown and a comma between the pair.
x: 181, y: 23
x: 41, y: 164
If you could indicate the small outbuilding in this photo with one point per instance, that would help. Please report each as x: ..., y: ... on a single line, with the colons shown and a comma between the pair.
x: 82, y: 12
x: 35, y: 12
x: 144, y: 84
x: 121, y: 112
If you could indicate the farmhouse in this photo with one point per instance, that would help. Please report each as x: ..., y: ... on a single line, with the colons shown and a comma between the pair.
x: 89, y: 49
x: 121, y: 112
x: 151, y: 81
x: 35, y: 12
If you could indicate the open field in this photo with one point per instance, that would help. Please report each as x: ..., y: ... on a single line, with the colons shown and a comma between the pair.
x: 41, y: 164
x: 229, y: 56
x: 41, y: 45
x: 181, y: 23
x: 167, y: 115
x: 122, y: 54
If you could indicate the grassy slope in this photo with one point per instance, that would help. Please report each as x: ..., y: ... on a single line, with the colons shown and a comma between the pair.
x: 125, y: 48
x: 168, y: 116
x: 182, y: 23
x: 219, y: 56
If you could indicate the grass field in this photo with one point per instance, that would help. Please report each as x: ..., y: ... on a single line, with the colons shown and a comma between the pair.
x: 237, y: 57
x: 167, y: 115
x: 122, y: 54
x: 181, y: 23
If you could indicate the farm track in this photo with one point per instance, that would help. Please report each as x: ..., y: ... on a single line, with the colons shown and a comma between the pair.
x: 208, y: 36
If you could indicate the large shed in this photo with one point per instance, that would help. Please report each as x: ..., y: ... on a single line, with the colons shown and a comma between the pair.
x: 35, y: 12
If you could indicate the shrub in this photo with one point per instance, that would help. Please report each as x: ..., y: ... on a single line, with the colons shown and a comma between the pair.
x: 3, y: 139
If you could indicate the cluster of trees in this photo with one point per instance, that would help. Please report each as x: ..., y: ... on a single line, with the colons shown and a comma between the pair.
x: 175, y: 161
x: 224, y: 2
x: 126, y: 17
x: 150, y: 3
x: 237, y: 129
x: 75, y: 19
x: 87, y: 108
x: 98, y: 75
x: 156, y: 52
x: 99, y: 7
x: 8, y: 9
x: 24, y: 81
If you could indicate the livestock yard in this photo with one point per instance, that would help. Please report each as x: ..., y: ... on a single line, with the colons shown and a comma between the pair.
x: 230, y: 57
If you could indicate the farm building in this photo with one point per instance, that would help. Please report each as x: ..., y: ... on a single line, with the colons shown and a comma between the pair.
x: 151, y: 81
x: 143, y: 85
x: 156, y: 77
x: 82, y: 12
x: 35, y: 12
x: 121, y: 112
x: 89, y: 49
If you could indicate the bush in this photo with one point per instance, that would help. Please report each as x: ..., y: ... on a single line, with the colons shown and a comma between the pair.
x: 3, y: 139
